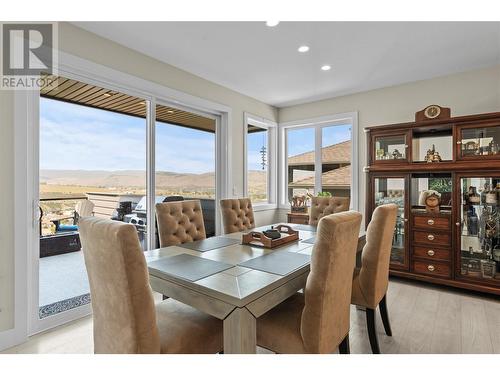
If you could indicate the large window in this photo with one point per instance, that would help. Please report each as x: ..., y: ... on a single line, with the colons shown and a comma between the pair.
x: 260, y: 174
x: 318, y: 157
x: 185, y: 160
x: 300, y: 161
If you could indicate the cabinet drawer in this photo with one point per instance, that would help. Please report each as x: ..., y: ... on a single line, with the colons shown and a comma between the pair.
x: 429, y: 222
x: 432, y: 238
x: 432, y: 253
x: 432, y: 268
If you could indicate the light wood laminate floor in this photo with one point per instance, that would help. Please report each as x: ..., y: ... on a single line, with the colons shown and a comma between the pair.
x: 424, y: 319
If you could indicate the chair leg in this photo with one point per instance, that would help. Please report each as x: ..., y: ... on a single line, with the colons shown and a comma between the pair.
x: 344, y: 346
x: 385, y: 316
x: 372, y: 333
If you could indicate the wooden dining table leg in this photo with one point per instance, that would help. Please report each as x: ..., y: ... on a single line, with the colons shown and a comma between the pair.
x: 240, y: 332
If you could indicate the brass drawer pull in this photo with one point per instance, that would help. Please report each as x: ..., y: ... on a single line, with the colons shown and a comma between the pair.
x: 430, y: 267
x: 430, y: 222
x: 430, y: 253
x: 430, y: 237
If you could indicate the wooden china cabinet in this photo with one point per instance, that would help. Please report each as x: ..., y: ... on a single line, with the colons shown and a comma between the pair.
x: 458, y: 157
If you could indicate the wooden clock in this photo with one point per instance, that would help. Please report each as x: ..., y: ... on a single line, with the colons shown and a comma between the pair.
x: 433, y: 112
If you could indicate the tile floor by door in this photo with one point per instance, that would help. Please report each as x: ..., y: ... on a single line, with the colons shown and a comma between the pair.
x: 424, y: 319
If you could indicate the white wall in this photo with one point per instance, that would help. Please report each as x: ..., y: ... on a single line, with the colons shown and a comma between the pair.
x: 6, y: 211
x: 465, y: 93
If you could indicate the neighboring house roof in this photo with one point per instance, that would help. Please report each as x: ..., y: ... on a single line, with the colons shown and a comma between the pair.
x: 336, y: 178
x: 337, y: 153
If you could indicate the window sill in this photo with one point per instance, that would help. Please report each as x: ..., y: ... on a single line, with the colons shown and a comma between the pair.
x: 264, y: 207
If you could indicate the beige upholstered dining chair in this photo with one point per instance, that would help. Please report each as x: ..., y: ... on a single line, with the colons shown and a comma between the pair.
x: 237, y: 215
x: 370, y: 281
x: 125, y: 317
x: 84, y: 208
x: 180, y: 222
x: 322, y: 206
x: 317, y: 321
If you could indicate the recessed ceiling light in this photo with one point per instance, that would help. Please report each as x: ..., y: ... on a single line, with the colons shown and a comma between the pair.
x: 107, y: 94
x: 326, y: 67
x: 170, y: 111
x: 272, y: 23
x: 303, y: 49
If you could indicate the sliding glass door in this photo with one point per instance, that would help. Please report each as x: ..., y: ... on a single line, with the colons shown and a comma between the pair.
x: 92, y: 162
x: 100, y: 152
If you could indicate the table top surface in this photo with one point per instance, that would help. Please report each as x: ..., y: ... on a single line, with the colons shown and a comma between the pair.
x: 236, y: 285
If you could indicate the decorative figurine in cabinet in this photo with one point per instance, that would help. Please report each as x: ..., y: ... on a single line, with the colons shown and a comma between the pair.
x: 480, y: 227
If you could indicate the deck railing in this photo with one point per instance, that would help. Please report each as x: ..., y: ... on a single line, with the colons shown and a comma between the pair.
x: 54, y: 210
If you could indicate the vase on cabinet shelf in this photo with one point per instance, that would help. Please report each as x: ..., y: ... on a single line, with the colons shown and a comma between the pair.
x: 472, y: 222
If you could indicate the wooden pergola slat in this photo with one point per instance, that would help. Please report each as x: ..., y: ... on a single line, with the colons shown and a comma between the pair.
x: 76, y: 92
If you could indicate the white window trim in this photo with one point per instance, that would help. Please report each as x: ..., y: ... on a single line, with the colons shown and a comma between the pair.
x: 318, y: 123
x: 272, y: 160
x: 26, y: 172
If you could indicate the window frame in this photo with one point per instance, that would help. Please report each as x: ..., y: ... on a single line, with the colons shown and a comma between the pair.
x: 318, y: 123
x: 272, y: 160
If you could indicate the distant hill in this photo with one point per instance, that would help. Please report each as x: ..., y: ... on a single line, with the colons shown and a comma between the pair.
x: 134, y: 178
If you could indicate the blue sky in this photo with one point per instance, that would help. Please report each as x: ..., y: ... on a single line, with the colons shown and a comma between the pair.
x: 255, y: 141
x: 302, y: 140
x: 78, y: 137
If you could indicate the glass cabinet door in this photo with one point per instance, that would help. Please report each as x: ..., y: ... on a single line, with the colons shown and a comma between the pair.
x: 479, y: 142
x: 390, y: 148
x: 392, y: 190
x: 480, y: 228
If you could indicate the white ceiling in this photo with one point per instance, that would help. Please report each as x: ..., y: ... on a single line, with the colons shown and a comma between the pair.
x: 263, y: 62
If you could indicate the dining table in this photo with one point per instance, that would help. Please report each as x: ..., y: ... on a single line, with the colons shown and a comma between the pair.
x: 234, y: 282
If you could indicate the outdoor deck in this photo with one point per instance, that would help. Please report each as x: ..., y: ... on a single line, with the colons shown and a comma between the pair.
x: 63, y: 283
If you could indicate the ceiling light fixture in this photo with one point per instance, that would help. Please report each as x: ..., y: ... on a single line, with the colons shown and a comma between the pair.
x: 303, y: 49
x: 326, y: 67
x: 170, y: 111
x: 272, y: 23
x: 107, y: 94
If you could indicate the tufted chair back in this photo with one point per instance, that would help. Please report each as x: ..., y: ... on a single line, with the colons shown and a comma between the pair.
x: 322, y: 206
x: 123, y: 308
x: 180, y: 222
x: 326, y: 315
x: 237, y: 214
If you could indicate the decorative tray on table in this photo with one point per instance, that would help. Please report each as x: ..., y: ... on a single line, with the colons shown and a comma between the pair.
x: 274, y: 237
